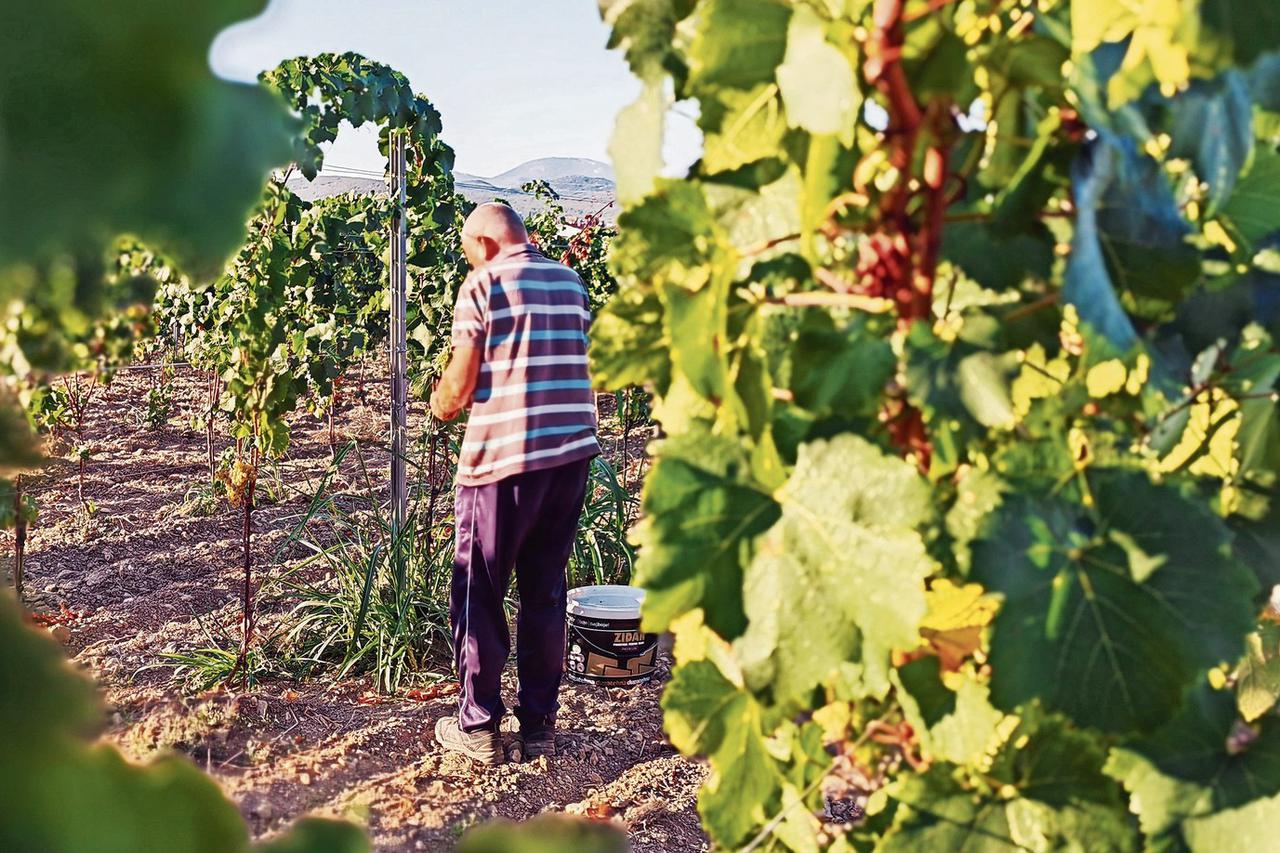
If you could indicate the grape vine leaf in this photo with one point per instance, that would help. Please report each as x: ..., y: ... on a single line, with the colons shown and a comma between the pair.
x: 837, y: 579
x: 636, y: 145
x: 19, y: 445
x: 546, y: 833
x: 997, y: 259
x: 109, y: 144
x: 666, y: 242
x: 962, y: 392
x: 1155, y: 39
x: 1141, y: 229
x: 1126, y: 214
x: 957, y: 617
x: 1200, y: 764
x: 1080, y: 631
x: 959, y: 725
x: 707, y: 714
x: 1252, y: 213
x: 1256, y: 542
x: 1052, y: 795
x: 1243, y: 30
x: 815, y: 79
x: 49, y: 769
x: 701, y: 515
x: 738, y: 44
x: 1212, y: 126
x: 645, y: 30
x: 740, y: 127
x: 1256, y: 367
x: 839, y: 370
x: 1258, y: 679
x: 628, y: 345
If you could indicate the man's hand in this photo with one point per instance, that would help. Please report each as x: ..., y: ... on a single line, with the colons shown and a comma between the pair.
x: 457, y: 383
x: 438, y: 408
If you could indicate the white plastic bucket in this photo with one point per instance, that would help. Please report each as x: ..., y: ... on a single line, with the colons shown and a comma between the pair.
x: 604, y: 643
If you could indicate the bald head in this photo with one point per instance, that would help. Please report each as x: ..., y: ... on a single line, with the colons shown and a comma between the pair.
x: 489, y: 229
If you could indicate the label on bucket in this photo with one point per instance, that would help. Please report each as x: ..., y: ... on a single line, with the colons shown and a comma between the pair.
x: 610, y: 652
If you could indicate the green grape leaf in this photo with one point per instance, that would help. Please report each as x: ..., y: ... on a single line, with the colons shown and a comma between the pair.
x: 636, y: 145
x: 645, y: 30
x: 1088, y: 283
x: 160, y: 148
x: 693, y: 318
x: 1243, y: 30
x: 1141, y: 231
x: 19, y: 445
x: 937, y: 813
x: 707, y: 714
x: 740, y: 126
x: 49, y: 769
x: 1252, y: 213
x: 1258, y: 679
x: 1248, y: 829
x: 978, y: 493
x: 738, y: 43
x: 961, y: 391
x: 669, y: 237
x: 1256, y: 543
x: 997, y: 260
x: 628, y: 346
x: 953, y: 725
x: 839, y: 371
x: 837, y: 579
x: 984, y: 388
x: 1200, y: 764
x: 1079, y: 630
x: 1256, y: 372
x: 1054, y: 796
x: 940, y: 67
x: 701, y: 515
x: 546, y: 833
x: 816, y: 80
x: 1212, y: 126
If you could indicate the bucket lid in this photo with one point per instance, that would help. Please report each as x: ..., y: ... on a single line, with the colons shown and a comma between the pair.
x: 606, y: 601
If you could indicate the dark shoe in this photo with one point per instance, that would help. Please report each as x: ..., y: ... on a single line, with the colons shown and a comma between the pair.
x: 484, y: 747
x: 535, y: 743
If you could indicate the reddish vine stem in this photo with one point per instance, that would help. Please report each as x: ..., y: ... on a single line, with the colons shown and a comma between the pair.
x: 937, y: 164
x: 902, y: 256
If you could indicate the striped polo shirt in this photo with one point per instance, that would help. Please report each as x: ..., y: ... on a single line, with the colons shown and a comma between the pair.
x: 533, y: 406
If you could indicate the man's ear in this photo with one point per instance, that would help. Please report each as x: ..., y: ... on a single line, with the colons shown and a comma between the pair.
x: 490, y: 247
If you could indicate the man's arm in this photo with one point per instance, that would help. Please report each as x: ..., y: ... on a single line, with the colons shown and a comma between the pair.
x: 457, y: 383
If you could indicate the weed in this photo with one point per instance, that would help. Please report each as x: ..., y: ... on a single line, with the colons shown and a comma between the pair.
x: 158, y: 401
x: 200, y: 501
x: 364, y: 600
x: 207, y: 667
x: 601, y: 552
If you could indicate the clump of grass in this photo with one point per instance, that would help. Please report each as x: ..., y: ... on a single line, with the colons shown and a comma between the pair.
x: 204, y: 668
x: 199, y: 501
x: 601, y: 552
x: 366, y: 599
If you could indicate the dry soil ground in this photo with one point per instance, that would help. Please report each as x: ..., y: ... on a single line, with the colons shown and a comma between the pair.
x: 138, y: 579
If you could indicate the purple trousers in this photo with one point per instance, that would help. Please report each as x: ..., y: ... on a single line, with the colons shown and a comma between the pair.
x: 527, y: 523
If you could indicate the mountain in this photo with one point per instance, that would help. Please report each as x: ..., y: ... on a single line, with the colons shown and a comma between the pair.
x: 330, y: 185
x: 585, y: 186
x: 552, y: 170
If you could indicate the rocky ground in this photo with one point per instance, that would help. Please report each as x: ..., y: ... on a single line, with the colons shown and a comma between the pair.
x: 138, y: 578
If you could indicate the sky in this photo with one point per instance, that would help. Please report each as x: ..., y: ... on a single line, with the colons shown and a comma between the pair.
x: 512, y: 80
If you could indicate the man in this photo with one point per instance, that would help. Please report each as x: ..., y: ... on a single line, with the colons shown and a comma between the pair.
x: 520, y: 361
